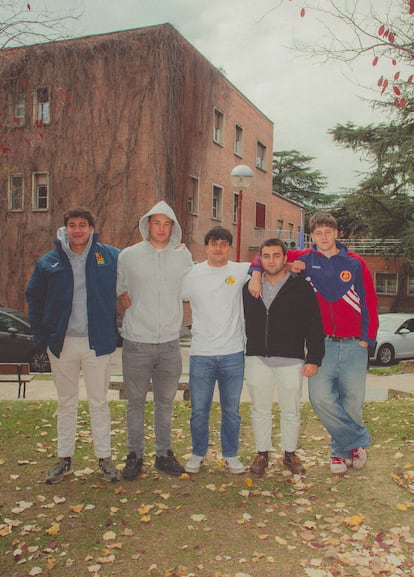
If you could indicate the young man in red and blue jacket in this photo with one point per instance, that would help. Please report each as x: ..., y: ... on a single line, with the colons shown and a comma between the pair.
x: 348, y: 304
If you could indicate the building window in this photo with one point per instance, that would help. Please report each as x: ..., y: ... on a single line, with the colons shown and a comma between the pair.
x: 411, y: 286
x: 41, y: 106
x: 16, y: 191
x: 217, y: 203
x: 40, y: 191
x: 193, y: 195
x: 218, y: 135
x: 261, y: 156
x: 235, y: 207
x: 19, y: 116
x: 279, y: 228
x: 260, y: 215
x: 386, y: 283
x: 238, y: 140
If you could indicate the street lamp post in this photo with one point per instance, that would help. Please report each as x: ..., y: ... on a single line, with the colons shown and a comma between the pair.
x: 241, y: 177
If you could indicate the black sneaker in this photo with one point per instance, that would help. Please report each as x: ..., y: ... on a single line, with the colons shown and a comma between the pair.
x: 60, y: 469
x: 169, y: 464
x: 132, y: 467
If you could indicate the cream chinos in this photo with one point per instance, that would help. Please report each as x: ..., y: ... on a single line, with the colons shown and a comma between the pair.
x: 261, y: 382
x: 74, y: 357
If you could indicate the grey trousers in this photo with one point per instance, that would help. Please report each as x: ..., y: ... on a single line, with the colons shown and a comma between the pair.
x: 142, y: 363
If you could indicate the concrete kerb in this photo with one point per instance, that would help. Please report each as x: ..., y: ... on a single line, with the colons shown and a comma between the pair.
x: 379, y: 388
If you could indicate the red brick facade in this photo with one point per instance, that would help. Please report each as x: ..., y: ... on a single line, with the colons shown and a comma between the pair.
x: 117, y: 122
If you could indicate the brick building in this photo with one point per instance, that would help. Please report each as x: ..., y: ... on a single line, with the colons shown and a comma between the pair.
x: 117, y: 122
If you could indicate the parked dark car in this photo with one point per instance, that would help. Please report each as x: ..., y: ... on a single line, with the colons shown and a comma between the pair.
x: 16, y: 342
x: 395, y: 338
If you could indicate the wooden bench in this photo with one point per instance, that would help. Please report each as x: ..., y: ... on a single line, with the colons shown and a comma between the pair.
x: 117, y: 384
x: 16, y: 373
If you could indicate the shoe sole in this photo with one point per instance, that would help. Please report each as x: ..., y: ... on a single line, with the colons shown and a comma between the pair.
x: 235, y: 471
x: 193, y: 470
x: 130, y: 478
x: 110, y: 479
x: 59, y: 479
x: 169, y: 472
x: 339, y: 472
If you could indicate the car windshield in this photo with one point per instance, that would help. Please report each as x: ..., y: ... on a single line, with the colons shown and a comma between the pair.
x: 20, y: 316
x: 388, y: 323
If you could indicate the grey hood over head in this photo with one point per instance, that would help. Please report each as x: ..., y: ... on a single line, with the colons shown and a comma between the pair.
x: 161, y: 208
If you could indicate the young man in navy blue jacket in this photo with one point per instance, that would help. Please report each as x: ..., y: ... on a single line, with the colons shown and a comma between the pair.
x: 72, y: 312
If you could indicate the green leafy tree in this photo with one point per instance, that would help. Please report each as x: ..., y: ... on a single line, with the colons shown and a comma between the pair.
x: 382, y: 205
x: 294, y: 178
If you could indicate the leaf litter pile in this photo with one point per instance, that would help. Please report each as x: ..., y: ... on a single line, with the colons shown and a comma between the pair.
x: 213, y: 524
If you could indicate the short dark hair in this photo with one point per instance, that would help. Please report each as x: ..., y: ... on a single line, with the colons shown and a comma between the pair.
x: 322, y: 219
x: 218, y: 233
x: 274, y: 242
x: 79, y: 211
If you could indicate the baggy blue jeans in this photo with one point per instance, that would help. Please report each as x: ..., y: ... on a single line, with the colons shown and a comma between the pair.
x: 228, y: 370
x: 141, y: 363
x: 337, y: 394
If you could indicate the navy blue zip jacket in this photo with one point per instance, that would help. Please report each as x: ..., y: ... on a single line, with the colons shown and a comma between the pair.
x: 50, y: 292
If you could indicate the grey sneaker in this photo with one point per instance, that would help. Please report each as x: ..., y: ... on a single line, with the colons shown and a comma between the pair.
x: 108, y: 469
x: 60, y: 469
x: 169, y: 464
x: 234, y: 465
x: 194, y: 464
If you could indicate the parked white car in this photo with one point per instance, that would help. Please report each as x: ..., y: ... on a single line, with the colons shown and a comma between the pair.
x: 395, y: 338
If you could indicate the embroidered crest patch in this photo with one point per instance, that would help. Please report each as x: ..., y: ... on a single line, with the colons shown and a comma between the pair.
x: 99, y: 258
x: 345, y: 275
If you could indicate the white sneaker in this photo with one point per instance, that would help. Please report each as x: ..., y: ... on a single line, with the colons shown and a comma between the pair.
x: 234, y: 465
x: 359, y: 457
x: 337, y: 465
x: 194, y: 464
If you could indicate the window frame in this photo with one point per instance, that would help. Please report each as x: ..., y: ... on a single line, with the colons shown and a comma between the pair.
x: 10, y: 203
x: 238, y: 142
x: 19, y: 109
x: 391, y: 276
x: 218, y: 127
x: 217, y: 207
x: 260, y: 219
x: 235, y: 207
x: 261, y: 156
x: 41, y: 108
x: 193, y: 195
x: 35, y: 189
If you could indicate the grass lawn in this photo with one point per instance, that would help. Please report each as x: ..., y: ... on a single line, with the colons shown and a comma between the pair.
x: 213, y: 524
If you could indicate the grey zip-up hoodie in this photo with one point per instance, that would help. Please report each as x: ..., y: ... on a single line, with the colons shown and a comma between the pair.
x: 153, y: 278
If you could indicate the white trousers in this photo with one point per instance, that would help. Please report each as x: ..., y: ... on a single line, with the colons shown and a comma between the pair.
x: 261, y: 382
x: 76, y: 356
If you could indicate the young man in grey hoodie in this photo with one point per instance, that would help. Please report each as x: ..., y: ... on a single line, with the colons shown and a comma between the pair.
x: 150, y: 275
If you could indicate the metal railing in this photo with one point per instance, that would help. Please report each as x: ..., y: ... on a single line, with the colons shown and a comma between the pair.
x: 373, y: 246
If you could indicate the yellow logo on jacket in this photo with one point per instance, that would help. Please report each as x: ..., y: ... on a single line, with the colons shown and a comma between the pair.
x: 99, y: 258
x: 345, y: 275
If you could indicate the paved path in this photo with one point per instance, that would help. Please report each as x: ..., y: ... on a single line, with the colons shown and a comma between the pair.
x: 379, y: 388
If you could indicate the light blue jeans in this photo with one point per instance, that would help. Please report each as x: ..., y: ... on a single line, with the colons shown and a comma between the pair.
x: 141, y: 363
x: 228, y: 370
x: 337, y: 394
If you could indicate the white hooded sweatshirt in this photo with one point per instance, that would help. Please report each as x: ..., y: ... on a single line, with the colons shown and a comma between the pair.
x: 153, y: 278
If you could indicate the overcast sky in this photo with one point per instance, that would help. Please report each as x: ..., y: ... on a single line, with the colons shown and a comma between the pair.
x: 249, y: 40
